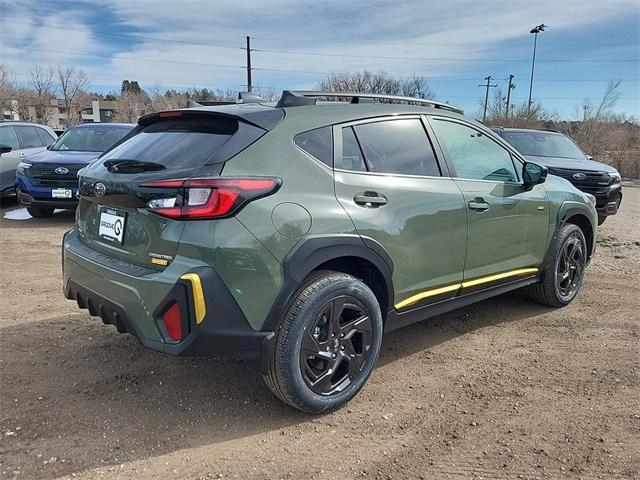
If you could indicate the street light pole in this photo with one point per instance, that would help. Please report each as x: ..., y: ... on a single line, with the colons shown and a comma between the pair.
x: 535, y: 30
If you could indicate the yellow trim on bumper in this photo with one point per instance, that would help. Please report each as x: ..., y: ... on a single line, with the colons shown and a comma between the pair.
x: 456, y: 286
x: 198, y: 295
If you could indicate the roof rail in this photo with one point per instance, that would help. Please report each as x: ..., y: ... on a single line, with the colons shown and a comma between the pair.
x: 308, y: 97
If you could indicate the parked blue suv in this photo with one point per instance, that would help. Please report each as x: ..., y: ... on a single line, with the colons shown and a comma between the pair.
x: 49, y: 179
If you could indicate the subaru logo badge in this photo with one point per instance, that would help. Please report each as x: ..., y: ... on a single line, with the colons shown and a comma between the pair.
x: 99, y: 189
x: 579, y: 176
x: 61, y: 170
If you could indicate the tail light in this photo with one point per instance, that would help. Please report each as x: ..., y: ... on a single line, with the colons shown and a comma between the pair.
x: 201, y: 198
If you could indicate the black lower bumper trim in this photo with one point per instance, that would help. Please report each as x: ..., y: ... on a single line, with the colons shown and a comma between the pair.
x: 224, y: 332
x: 28, y: 201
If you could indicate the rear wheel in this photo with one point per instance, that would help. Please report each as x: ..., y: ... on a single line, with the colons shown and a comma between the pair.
x: 327, y: 345
x: 40, y: 212
x: 563, y: 270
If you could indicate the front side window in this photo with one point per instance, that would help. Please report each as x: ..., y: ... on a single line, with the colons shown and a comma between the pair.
x: 89, y: 139
x: 46, y: 137
x: 8, y: 137
x: 317, y: 143
x: 397, y: 146
x: 473, y: 154
x: 30, y: 137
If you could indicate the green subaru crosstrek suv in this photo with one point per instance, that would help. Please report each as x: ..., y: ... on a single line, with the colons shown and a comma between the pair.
x: 293, y: 235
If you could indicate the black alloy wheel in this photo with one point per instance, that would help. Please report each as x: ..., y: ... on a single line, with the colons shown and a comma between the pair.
x: 335, y: 349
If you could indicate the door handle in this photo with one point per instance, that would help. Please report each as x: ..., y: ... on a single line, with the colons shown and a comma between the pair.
x: 370, y: 199
x: 478, y: 205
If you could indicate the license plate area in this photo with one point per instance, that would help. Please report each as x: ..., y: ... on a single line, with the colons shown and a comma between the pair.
x: 112, y: 223
x: 61, y: 193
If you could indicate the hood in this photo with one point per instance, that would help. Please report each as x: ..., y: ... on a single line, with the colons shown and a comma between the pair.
x: 571, y: 163
x: 62, y: 157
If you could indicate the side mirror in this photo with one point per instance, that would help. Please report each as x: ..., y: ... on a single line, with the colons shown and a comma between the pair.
x: 5, y: 148
x: 533, y: 174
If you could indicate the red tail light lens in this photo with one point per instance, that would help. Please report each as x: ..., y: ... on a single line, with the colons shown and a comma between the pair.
x: 173, y: 322
x: 200, y: 198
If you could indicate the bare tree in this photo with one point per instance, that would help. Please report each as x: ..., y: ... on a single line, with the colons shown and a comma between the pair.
x: 41, y: 83
x: 71, y: 85
x: 594, y: 132
x: 381, y: 82
x: 131, y: 105
x: 6, y: 89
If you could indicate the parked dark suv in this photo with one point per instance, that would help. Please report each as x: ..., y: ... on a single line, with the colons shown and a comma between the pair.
x: 294, y: 235
x: 49, y: 179
x: 564, y: 158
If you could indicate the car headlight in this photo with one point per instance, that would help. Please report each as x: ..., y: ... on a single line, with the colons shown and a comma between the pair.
x: 22, y: 168
x: 616, y: 178
x: 591, y: 198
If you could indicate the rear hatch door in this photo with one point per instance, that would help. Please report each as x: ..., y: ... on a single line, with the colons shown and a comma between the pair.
x: 113, y: 216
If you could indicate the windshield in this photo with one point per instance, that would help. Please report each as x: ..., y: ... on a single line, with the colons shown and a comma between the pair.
x: 89, y: 139
x: 544, y: 144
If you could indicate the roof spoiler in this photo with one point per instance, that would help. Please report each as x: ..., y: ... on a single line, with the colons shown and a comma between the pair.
x: 309, y: 97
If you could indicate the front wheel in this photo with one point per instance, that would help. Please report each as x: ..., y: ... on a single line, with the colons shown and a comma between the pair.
x: 327, y: 345
x: 563, y: 270
x: 40, y: 212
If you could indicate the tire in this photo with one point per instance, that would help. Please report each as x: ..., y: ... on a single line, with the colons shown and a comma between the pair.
x: 321, y: 360
x: 601, y: 219
x: 563, y: 269
x: 40, y: 212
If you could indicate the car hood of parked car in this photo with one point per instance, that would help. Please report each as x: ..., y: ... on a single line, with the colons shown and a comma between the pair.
x: 62, y: 156
x: 571, y: 163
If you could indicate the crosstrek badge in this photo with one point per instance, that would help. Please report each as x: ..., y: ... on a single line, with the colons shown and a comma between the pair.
x: 111, y: 225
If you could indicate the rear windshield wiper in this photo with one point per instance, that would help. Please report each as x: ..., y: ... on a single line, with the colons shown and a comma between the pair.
x: 132, y: 166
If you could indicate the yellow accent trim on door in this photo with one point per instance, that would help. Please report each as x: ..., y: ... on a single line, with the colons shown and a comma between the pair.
x: 456, y: 286
x: 198, y: 295
x: 426, y: 294
x: 499, y: 276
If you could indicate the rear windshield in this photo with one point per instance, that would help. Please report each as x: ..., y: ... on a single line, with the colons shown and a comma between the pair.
x: 177, y: 143
x: 89, y: 139
x: 544, y: 144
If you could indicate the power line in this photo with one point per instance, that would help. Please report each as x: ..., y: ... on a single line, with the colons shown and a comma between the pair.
x: 435, y: 59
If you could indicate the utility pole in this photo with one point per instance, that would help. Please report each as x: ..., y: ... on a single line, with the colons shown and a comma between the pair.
x: 248, y: 63
x: 535, y: 30
x: 509, y: 88
x: 486, y: 95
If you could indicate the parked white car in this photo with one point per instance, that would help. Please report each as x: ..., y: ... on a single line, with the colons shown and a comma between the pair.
x: 18, y: 140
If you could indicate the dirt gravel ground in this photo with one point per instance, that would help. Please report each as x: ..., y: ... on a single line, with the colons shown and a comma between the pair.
x: 502, y: 389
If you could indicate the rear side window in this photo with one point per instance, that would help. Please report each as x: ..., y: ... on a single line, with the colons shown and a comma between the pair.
x: 398, y: 146
x: 317, y: 143
x: 177, y: 143
x: 352, y: 158
x: 45, y: 136
x: 8, y: 137
x: 30, y: 137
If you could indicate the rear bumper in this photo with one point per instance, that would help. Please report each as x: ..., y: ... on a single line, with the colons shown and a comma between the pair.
x: 133, y: 300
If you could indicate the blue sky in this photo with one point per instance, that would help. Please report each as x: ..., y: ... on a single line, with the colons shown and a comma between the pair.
x: 454, y: 44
